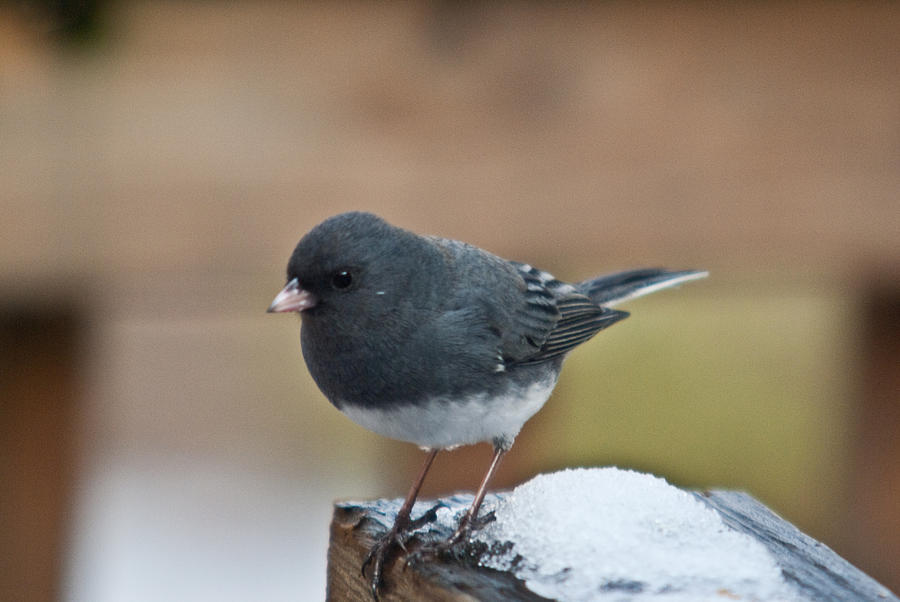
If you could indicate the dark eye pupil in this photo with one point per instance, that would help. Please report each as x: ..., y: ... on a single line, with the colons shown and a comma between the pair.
x: 341, y: 279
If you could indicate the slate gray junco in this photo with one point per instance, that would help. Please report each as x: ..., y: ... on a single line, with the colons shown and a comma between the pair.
x: 437, y: 342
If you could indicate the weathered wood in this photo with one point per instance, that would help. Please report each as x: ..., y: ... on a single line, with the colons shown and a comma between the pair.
x: 811, y: 566
x: 813, y: 569
x: 355, y: 528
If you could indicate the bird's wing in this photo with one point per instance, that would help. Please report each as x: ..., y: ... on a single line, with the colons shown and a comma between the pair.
x: 579, y: 320
x: 516, y: 313
x: 554, y: 318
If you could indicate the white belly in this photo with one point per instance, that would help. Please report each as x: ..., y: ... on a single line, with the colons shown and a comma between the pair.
x: 448, y: 423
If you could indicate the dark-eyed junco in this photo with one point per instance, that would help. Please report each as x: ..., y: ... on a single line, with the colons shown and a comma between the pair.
x: 437, y: 342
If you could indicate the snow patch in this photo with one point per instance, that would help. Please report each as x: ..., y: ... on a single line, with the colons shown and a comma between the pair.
x: 606, y: 533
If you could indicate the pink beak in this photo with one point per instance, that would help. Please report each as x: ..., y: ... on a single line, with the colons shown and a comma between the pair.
x: 292, y: 298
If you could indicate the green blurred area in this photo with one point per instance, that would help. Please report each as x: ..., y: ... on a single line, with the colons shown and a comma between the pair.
x: 741, y: 390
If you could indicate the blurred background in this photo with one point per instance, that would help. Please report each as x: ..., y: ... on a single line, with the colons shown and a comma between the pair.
x: 161, y: 439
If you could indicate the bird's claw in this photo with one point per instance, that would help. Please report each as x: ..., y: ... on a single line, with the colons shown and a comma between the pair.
x: 380, y: 554
x: 455, y: 544
x: 482, y: 521
x: 437, y: 549
x: 427, y: 518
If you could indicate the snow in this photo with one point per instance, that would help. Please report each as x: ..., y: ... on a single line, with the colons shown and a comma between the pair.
x: 611, y: 534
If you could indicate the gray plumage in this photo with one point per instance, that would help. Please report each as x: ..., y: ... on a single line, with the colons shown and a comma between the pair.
x: 401, y: 325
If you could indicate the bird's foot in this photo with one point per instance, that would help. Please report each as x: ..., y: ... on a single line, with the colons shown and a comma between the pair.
x: 381, y: 553
x: 455, y: 546
x: 483, y: 521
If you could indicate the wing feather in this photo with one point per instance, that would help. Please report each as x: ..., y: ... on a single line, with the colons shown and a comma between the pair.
x: 557, y: 316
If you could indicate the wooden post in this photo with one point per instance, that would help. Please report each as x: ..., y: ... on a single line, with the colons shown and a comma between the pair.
x: 354, y: 529
x: 813, y: 569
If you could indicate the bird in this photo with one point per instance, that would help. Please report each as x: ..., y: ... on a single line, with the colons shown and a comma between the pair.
x: 439, y: 343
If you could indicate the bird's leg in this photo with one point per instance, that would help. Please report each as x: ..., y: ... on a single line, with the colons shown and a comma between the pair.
x: 470, y: 518
x: 380, y: 552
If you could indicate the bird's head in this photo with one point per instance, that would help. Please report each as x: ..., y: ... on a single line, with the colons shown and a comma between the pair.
x: 348, y: 263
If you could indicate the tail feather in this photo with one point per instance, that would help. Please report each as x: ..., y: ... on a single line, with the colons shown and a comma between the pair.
x: 613, y: 289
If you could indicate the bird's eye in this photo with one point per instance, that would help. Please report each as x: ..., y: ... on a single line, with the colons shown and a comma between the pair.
x: 341, y: 279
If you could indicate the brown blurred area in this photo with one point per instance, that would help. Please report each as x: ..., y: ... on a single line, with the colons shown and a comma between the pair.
x: 158, y: 161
